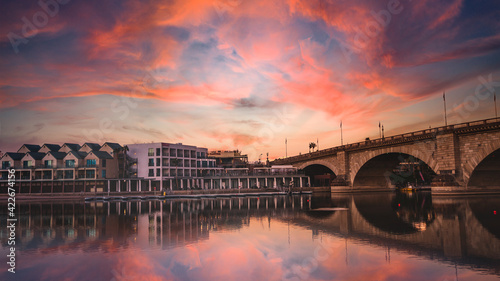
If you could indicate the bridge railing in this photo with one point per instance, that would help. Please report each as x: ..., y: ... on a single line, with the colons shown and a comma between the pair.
x: 387, y: 140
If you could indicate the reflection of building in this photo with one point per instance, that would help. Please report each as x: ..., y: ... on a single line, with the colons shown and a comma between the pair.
x: 229, y: 159
x: 109, y: 225
x: 67, y: 162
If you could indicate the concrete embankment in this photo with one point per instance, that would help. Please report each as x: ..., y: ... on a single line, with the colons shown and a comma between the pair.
x: 437, y: 191
x: 169, y: 194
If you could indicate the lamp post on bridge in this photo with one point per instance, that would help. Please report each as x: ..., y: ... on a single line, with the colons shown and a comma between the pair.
x: 495, y: 101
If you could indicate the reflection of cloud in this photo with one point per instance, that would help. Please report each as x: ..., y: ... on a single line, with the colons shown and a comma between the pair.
x: 137, y: 266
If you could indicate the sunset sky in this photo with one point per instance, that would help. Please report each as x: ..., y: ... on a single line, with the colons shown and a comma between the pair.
x: 240, y: 74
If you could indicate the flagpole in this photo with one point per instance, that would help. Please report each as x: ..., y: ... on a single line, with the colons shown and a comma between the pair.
x: 341, y: 136
x: 286, y: 148
x: 445, y: 117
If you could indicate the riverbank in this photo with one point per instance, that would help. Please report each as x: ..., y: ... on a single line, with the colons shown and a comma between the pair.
x: 454, y: 191
x: 173, y: 194
x: 435, y: 190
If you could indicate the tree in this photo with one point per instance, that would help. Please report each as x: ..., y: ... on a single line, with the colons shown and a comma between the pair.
x: 312, y: 145
x: 124, y: 150
x: 121, y: 151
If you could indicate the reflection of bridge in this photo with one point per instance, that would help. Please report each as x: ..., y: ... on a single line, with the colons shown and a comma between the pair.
x: 462, y: 230
x: 464, y: 155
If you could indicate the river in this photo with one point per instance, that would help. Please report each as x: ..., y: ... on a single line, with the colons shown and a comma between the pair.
x: 372, y: 236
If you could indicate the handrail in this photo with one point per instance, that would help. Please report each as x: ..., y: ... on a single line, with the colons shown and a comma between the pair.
x: 387, y: 140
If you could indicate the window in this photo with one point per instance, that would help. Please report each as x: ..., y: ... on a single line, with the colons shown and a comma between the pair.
x: 90, y: 174
x: 5, y: 164
x: 151, y: 173
x: 68, y: 174
x: 103, y: 163
x: 158, y: 173
x: 151, y: 162
x: 48, y: 163
x: 91, y: 162
x: 70, y: 163
x: 151, y: 152
x: 103, y: 174
x: 157, y: 161
x: 27, y: 164
x: 157, y: 152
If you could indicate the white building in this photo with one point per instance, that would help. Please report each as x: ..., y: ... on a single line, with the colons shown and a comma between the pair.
x: 175, y: 166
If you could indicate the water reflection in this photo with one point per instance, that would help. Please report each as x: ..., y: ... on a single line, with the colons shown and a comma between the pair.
x: 272, y: 238
x: 414, y: 208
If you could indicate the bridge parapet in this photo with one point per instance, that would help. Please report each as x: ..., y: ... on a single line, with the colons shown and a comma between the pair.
x: 452, y: 152
x: 462, y: 128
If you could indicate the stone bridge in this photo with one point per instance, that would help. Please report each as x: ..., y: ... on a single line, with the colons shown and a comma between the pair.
x: 462, y: 155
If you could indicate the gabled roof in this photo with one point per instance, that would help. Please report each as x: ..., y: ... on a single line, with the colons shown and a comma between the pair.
x: 72, y: 146
x: 57, y: 155
x: 113, y: 145
x: 52, y: 147
x: 93, y: 146
x: 36, y: 155
x: 101, y: 154
x: 14, y: 155
x: 77, y: 154
x: 31, y: 147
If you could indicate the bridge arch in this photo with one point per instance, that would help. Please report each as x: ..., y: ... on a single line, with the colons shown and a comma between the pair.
x: 329, y: 165
x: 482, y: 168
x: 374, y: 168
x: 316, y: 168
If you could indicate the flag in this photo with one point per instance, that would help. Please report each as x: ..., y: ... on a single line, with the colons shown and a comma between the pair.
x: 340, y: 123
x: 285, y: 140
x: 379, y: 124
x: 495, y: 97
x: 444, y: 97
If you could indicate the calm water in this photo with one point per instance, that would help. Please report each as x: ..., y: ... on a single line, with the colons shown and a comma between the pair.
x: 361, y: 237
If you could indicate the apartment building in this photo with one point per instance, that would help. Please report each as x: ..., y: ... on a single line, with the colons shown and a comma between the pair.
x: 229, y: 158
x: 64, y: 162
x: 172, y: 164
